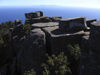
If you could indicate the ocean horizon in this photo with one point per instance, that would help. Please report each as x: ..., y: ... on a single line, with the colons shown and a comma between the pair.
x: 13, y: 13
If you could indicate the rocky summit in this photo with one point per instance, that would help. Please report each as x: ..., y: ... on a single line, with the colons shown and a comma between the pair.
x: 51, y: 35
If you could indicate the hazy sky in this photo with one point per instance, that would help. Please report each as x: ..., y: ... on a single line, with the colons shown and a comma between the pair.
x: 73, y: 3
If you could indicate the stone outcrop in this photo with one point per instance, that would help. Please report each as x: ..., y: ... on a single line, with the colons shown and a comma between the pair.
x: 57, y: 40
x: 32, y: 53
x: 56, y: 18
x: 84, y: 54
x: 44, y: 25
x: 51, y: 35
x: 89, y: 21
x: 37, y: 17
x: 90, y: 52
x: 72, y: 24
x: 78, y: 30
x: 34, y: 14
x: 94, y: 56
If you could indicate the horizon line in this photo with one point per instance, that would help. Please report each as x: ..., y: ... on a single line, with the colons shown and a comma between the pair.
x: 49, y: 5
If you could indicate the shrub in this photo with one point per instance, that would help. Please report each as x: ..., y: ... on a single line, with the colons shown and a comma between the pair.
x: 30, y: 72
x: 1, y: 41
x: 74, y: 51
x: 4, y: 28
x: 56, y: 65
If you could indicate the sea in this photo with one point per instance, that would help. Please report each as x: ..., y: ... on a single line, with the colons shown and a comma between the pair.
x: 13, y: 13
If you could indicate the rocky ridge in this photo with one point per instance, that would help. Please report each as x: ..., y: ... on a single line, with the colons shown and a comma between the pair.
x: 51, y: 34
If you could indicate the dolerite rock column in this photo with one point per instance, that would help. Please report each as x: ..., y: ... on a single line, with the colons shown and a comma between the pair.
x: 84, y: 55
x: 32, y: 53
x: 94, y: 52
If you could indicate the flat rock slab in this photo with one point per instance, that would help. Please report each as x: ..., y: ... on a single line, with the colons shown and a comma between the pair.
x: 96, y: 23
x: 56, y: 32
x: 89, y: 21
x: 43, y: 25
x: 57, y: 40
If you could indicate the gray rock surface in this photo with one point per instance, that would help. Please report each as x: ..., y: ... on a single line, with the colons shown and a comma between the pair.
x: 89, y: 21
x: 40, y: 19
x: 33, y: 14
x: 84, y: 54
x: 43, y: 25
x: 56, y: 18
x: 32, y: 53
x: 52, y: 34
x: 36, y: 17
x: 72, y: 24
x: 57, y: 41
x: 92, y: 47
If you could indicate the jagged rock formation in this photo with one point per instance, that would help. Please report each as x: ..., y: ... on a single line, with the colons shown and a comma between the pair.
x: 90, y: 51
x: 37, y: 17
x: 52, y: 34
x: 94, y: 62
x: 57, y: 40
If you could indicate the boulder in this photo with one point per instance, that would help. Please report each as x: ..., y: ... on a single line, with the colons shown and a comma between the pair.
x: 36, y: 17
x: 37, y: 13
x: 34, y: 14
x: 72, y: 24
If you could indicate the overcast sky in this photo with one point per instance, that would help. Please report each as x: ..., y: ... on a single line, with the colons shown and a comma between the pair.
x: 72, y: 3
